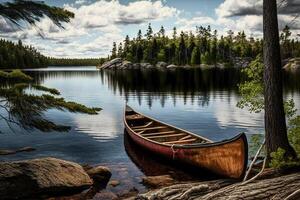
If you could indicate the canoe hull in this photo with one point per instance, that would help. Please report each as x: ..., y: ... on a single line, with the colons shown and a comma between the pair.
x: 227, y: 159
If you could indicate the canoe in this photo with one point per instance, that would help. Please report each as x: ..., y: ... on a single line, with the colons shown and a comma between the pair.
x: 227, y: 158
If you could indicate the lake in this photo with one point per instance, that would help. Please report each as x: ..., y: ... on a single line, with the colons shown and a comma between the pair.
x: 201, y: 101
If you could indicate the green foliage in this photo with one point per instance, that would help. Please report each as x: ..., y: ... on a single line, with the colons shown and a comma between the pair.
x: 32, y: 12
x: 289, y: 108
x: 252, y: 98
x: 280, y: 161
x: 256, y: 141
x: 19, y: 56
x: 16, y: 75
x: 188, y: 48
x: 294, y: 133
x: 27, y: 110
x: 252, y: 89
x: 75, y: 61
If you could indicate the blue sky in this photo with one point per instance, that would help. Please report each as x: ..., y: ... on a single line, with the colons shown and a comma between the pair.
x: 98, y: 24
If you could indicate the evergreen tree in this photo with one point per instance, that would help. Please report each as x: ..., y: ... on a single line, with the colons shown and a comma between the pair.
x: 114, y: 51
x: 182, y: 53
x: 149, y: 33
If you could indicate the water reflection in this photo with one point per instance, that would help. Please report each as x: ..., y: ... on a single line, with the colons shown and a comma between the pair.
x: 193, y: 85
x: 200, y: 101
x: 154, y: 165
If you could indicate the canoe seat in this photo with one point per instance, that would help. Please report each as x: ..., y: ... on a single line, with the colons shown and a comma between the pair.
x: 158, y: 133
x: 181, y: 141
x: 144, y: 126
x: 166, y: 136
x: 135, y: 116
x: 150, y: 128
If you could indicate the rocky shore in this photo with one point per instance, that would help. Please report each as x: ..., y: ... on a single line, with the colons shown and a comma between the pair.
x: 292, y: 64
x: 119, y: 63
x: 51, y: 178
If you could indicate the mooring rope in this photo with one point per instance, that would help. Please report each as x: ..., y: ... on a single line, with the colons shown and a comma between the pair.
x: 252, y: 163
x: 174, y: 151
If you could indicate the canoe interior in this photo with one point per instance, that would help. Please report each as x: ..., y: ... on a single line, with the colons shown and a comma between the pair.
x: 160, y: 132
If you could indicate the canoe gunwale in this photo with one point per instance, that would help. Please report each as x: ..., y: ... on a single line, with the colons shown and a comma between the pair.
x: 240, y: 138
x: 187, y: 146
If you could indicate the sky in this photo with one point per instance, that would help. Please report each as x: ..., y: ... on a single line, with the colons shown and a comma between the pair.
x: 99, y: 23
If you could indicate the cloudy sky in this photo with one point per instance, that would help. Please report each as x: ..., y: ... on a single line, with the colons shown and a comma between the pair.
x: 99, y: 23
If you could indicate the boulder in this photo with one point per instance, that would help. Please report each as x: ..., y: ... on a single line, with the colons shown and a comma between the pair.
x: 292, y: 64
x: 158, y: 181
x: 99, y: 174
x: 161, y: 65
x: 44, y: 176
x: 146, y: 65
x: 172, y: 66
x: 114, y: 63
x: 126, y: 65
x: 136, y: 66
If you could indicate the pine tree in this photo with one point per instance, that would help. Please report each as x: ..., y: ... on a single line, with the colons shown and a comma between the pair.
x: 182, y: 55
x: 114, y: 51
x: 120, y: 50
x: 149, y: 33
x: 174, y: 33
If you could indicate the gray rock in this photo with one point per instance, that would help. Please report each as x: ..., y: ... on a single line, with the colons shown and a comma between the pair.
x: 117, y: 62
x: 44, y: 176
x: 99, y: 174
x: 136, y: 66
x: 126, y: 65
x: 292, y: 64
x: 172, y: 66
x: 161, y: 64
x: 146, y: 65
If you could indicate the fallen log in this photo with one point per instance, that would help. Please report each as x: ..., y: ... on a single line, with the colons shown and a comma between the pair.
x: 274, y: 188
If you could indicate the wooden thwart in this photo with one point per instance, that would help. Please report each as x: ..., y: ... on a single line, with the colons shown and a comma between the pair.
x: 180, y: 141
x: 158, y: 133
x: 150, y: 128
x: 186, y: 137
x: 166, y: 136
x: 135, y: 116
x: 144, y: 126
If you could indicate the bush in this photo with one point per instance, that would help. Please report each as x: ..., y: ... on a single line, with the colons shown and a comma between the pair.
x: 280, y: 161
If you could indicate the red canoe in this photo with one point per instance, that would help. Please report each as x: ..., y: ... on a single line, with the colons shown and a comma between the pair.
x: 227, y: 158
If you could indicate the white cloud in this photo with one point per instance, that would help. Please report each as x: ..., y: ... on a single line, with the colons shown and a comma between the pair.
x: 247, y: 15
x: 101, y: 20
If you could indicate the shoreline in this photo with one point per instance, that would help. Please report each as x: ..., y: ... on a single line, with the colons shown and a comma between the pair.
x: 161, y: 187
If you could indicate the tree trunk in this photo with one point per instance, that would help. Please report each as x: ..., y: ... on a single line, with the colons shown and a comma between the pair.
x: 275, y: 124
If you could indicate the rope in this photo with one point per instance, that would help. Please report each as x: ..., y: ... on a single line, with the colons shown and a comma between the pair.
x: 252, y: 163
x: 174, y: 151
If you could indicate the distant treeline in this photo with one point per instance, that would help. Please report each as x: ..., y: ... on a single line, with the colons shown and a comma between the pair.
x: 203, y: 47
x: 75, y: 61
x: 20, y: 56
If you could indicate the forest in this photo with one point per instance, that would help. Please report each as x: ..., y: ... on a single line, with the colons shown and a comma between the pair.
x: 13, y: 56
x: 20, y: 56
x: 75, y: 61
x: 203, y: 47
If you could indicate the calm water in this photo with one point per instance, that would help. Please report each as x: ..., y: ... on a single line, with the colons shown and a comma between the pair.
x: 203, y: 102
